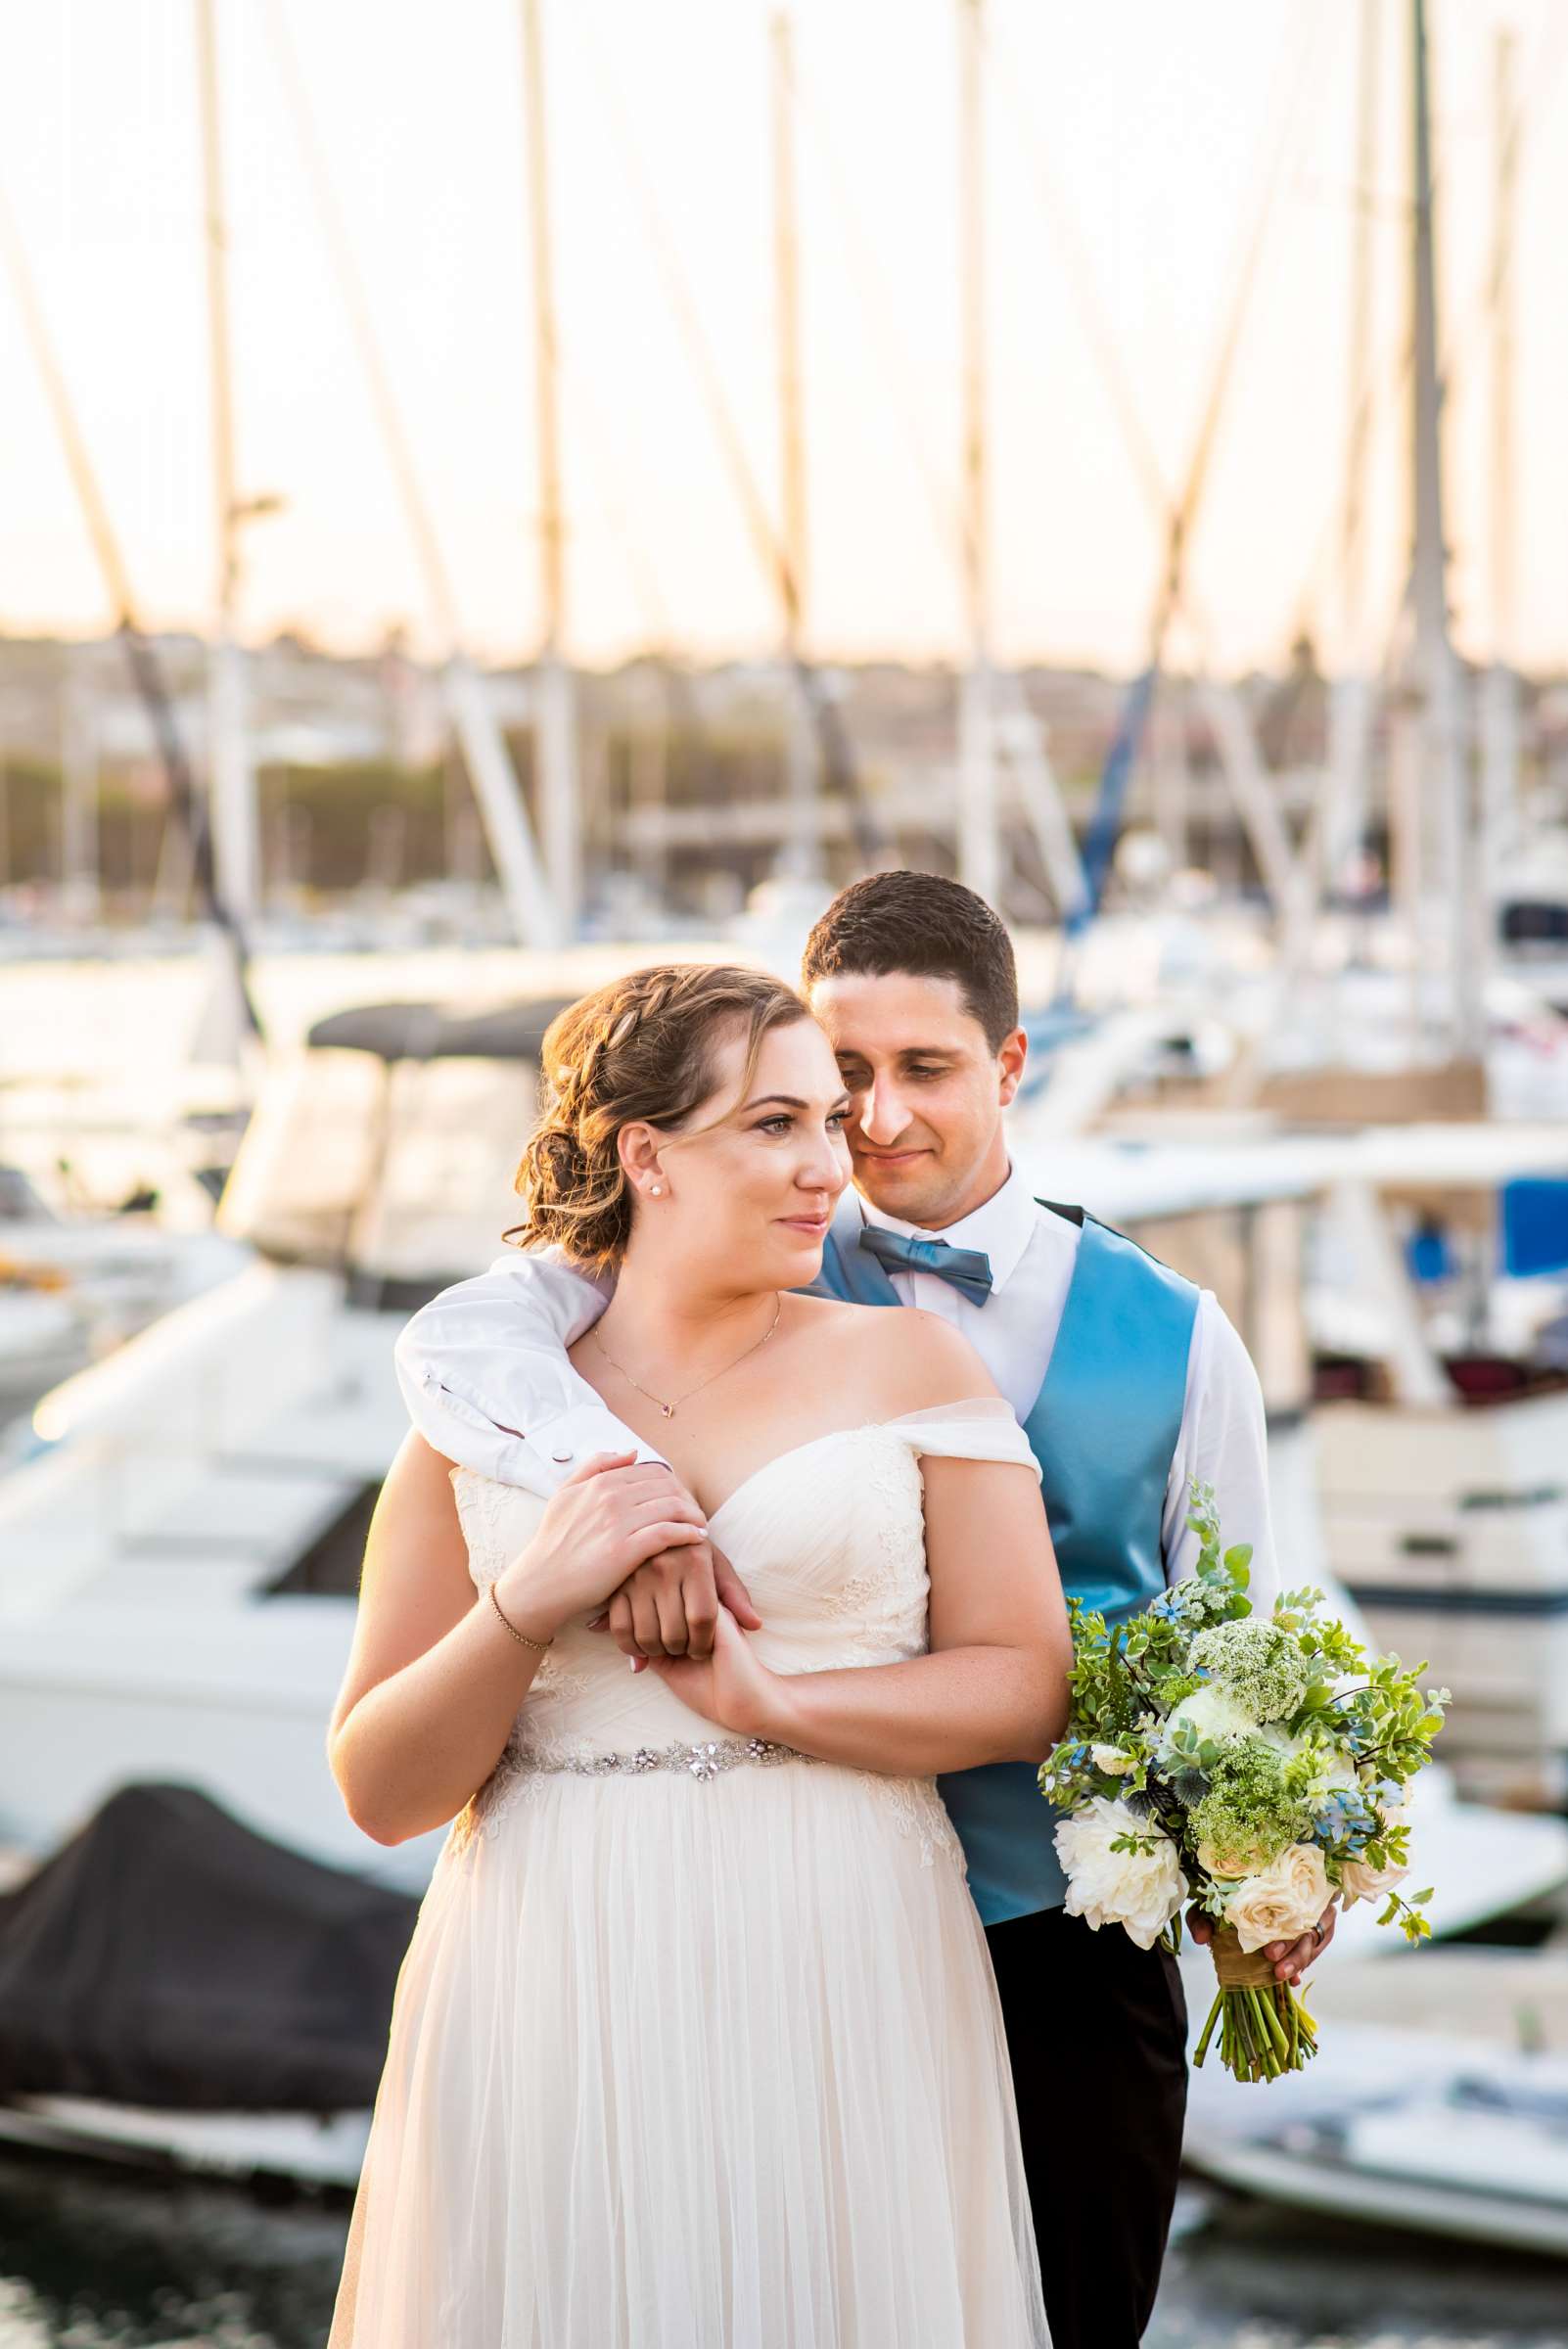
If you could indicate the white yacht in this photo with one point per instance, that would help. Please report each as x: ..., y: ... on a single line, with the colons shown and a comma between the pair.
x: 73, y: 1287
x: 1438, y: 1293
x: 178, y: 1564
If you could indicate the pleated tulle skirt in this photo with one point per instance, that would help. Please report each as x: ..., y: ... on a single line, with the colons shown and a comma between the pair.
x: 682, y: 2066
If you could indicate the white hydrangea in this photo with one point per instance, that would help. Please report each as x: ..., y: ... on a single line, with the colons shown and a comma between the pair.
x: 1211, y: 1712
x: 1331, y: 1772
x: 1140, y: 1891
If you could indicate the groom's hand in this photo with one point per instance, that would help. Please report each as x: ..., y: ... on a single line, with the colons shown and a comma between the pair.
x: 1289, y: 1959
x: 669, y: 1607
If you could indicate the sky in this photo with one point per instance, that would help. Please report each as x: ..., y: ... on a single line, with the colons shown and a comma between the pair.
x: 1131, y: 150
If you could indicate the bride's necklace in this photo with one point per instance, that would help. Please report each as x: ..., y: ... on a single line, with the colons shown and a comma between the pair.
x: 671, y: 1409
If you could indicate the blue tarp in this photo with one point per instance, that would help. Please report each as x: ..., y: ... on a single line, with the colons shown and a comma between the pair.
x: 1535, y: 1226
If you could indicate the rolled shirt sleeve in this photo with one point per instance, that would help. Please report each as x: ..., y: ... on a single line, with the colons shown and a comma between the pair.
x: 1223, y: 1443
x: 485, y: 1363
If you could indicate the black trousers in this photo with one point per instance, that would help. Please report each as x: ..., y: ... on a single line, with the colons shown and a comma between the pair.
x: 1097, y: 2031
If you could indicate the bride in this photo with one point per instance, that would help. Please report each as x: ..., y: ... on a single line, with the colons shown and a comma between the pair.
x: 696, y: 2045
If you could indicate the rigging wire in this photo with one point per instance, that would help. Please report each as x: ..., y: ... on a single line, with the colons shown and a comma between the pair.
x: 488, y: 761
x: 1173, y: 592
x: 1098, y: 332
x: 838, y: 755
x: 362, y: 326
x: 615, y: 506
x: 187, y: 807
x: 1176, y: 510
x: 1538, y: 87
x: 893, y: 352
x: 1278, y: 153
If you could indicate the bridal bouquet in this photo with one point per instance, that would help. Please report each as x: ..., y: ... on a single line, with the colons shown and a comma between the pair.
x: 1255, y: 1765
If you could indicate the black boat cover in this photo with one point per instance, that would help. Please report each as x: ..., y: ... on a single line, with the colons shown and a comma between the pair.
x: 168, y: 1957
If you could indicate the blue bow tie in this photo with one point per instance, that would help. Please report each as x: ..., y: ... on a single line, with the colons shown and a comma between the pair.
x: 964, y: 1268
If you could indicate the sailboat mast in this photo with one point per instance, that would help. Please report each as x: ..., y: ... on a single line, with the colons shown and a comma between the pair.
x: 1350, y: 708
x: 555, y: 733
x: 1448, y: 940
x: 979, y: 850
x: 1352, y: 518
x: 231, y: 780
x: 1499, y: 690
x: 530, y: 899
x: 81, y: 880
x: 802, y: 852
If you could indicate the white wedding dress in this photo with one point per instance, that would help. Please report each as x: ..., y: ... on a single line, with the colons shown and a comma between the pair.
x: 696, y: 2045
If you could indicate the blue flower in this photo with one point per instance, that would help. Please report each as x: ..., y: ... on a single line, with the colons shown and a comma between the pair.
x: 1344, y: 1819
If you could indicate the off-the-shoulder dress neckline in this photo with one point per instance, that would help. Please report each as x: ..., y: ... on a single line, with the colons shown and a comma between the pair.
x: 833, y: 1434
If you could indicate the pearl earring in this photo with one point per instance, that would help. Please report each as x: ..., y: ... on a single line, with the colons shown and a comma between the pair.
x: 656, y: 1191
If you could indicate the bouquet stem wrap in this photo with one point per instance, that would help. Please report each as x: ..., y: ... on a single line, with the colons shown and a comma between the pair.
x: 1265, y: 2030
x: 1239, y: 1968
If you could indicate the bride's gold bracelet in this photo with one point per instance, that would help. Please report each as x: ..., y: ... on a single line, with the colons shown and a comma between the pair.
x: 539, y: 1645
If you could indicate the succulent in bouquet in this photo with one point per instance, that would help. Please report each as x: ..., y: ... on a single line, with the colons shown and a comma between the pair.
x: 1258, y: 1767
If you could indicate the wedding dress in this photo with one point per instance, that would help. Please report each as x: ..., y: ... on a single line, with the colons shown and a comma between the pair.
x: 696, y: 2045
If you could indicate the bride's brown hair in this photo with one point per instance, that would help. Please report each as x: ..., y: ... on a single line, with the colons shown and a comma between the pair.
x: 639, y: 1051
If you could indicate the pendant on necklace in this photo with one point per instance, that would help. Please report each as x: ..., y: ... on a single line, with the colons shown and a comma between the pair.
x: 669, y: 1409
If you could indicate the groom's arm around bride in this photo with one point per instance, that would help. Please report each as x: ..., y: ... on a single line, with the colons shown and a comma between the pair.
x: 1127, y: 1382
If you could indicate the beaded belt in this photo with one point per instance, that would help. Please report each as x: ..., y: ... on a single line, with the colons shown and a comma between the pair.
x: 704, y: 1760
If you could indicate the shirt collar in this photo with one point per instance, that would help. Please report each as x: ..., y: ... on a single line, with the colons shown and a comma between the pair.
x: 1002, y: 1229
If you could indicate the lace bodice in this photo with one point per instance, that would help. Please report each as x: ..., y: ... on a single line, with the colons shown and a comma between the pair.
x: 829, y: 1538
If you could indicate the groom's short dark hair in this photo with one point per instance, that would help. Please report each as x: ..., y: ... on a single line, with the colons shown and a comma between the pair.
x: 928, y: 925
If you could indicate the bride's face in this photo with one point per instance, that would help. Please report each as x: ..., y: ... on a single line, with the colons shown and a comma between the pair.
x: 752, y: 1181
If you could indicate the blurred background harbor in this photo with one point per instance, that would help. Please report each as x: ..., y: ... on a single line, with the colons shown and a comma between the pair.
x: 506, y: 501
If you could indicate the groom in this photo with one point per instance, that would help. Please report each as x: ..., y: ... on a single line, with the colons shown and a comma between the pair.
x: 1129, y: 1383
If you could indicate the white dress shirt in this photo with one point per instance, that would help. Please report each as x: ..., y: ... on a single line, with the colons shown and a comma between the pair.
x: 1033, y: 1251
x: 484, y: 1373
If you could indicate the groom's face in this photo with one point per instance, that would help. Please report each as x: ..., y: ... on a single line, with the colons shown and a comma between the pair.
x: 926, y: 1093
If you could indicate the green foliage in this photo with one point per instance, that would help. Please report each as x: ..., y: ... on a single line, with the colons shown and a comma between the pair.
x: 1244, y: 1737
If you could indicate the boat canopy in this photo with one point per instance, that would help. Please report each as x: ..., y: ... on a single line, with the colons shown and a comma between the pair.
x: 440, y: 1030
x: 387, y: 1148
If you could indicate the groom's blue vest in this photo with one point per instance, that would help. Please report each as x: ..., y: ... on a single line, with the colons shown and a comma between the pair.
x: 1104, y: 1430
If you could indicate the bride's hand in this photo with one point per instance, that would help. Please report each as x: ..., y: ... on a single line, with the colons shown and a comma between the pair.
x: 598, y: 1527
x: 731, y: 1686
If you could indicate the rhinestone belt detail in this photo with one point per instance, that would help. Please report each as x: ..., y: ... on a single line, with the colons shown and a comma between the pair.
x: 704, y: 1761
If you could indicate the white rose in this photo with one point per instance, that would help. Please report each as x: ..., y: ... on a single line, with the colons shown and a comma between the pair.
x: 1281, y: 1900
x: 1140, y: 1891
x: 1231, y: 1861
x: 1358, y: 1882
x: 1212, y: 1712
x: 1112, y: 1760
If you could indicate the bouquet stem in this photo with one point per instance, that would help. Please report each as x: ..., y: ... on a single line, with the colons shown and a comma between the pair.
x: 1265, y: 2030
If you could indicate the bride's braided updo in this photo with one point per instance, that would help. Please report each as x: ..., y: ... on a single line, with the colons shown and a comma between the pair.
x: 637, y: 1051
